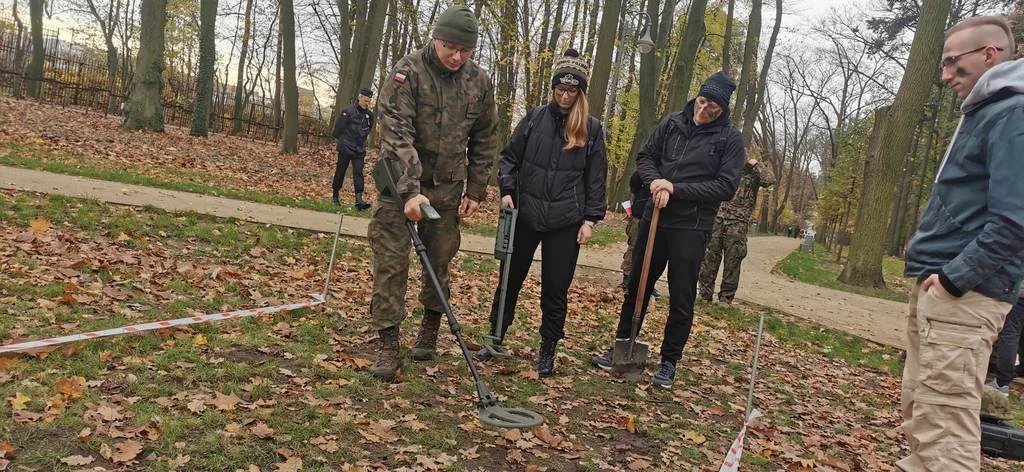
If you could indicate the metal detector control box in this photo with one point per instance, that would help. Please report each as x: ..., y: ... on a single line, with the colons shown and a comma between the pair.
x: 506, y: 233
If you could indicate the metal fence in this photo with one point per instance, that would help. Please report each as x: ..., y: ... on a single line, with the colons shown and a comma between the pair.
x: 76, y: 75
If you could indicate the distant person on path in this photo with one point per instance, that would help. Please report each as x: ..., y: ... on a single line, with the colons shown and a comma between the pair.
x: 728, y: 244
x: 553, y: 170
x: 692, y: 162
x: 446, y: 154
x: 351, y: 128
x: 967, y: 253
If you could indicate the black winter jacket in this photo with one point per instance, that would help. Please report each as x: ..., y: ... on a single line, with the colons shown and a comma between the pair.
x: 351, y: 128
x: 704, y: 164
x: 551, y: 187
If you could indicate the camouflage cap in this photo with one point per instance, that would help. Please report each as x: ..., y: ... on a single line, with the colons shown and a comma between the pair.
x: 458, y: 25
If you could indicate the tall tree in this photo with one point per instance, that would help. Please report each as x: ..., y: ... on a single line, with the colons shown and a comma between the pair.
x: 686, y: 57
x: 239, y: 102
x: 864, y: 265
x: 207, y: 60
x: 650, y: 70
x: 289, y: 143
x: 756, y: 100
x: 370, y: 45
x: 19, y: 50
x: 597, y: 89
x: 34, y: 71
x: 145, y: 108
x: 727, y: 42
x: 749, y: 59
x: 106, y: 16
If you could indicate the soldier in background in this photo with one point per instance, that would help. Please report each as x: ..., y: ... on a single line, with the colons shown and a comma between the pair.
x: 438, y: 118
x: 729, y: 236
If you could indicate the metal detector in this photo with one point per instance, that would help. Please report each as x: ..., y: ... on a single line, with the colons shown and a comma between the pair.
x: 503, y: 252
x: 491, y: 413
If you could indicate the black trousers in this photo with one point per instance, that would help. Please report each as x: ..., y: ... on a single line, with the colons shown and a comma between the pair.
x: 1009, y: 344
x: 559, y: 252
x: 682, y: 251
x: 342, y: 166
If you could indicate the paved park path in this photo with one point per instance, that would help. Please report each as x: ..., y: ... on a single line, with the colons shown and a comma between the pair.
x: 879, y: 320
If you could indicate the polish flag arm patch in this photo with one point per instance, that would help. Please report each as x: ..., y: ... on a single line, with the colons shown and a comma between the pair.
x: 400, y: 77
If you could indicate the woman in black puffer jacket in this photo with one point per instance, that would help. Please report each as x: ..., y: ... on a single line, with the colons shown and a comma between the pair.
x: 553, y: 170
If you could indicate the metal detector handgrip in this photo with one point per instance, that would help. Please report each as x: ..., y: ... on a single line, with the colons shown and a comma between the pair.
x: 387, y: 172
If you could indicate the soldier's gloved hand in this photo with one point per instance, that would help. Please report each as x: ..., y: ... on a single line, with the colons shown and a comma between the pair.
x: 468, y: 207
x: 506, y: 202
x: 412, y: 207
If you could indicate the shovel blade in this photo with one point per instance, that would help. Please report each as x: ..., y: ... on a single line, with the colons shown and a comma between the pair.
x: 624, y: 362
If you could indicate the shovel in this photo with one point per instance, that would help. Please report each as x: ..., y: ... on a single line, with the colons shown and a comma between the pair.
x: 490, y: 411
x: 629, y: 356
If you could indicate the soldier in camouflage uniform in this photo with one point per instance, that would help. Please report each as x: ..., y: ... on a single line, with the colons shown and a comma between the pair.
x: 729, y: 236
x: 438, y: 120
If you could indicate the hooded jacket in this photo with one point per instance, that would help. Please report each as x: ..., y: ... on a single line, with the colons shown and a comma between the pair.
x: 554, y: 188
x: 972, y: 231
x: 704, y: 164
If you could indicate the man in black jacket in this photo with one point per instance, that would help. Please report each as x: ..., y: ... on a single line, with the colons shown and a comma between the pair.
x: 351, y: 129
x: 692, y: 162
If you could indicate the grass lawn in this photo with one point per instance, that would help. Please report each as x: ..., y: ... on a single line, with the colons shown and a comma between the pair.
x: 293, y: 388
x: 820, y: 268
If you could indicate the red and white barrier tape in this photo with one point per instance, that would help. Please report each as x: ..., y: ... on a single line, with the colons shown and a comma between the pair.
x: 732, y: 458
x: 138, y: 328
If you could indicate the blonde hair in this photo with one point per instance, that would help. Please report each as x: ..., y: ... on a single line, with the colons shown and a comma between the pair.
x: 577, y: 125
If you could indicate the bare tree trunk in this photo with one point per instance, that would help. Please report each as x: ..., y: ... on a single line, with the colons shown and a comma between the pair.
x: 370, y: 45
x: 757, y: 99
x: 597, y: 90
x: 864, y: 267
x: 686, y: 58
x: 19, y: 50
x: 145, y: 108
x: 749, y: 59
x: 207, y: 59
x: 592, y: 28
x: 727, y: 41
x: 239, y: 104
x: 278, y: 124
x: 34, y: 72
x: 289, y: 145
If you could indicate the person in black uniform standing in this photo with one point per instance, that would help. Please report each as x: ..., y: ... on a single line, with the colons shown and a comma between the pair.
x: 351, y: 129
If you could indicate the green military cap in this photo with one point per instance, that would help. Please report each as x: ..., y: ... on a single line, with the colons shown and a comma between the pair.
x: 457, y: 25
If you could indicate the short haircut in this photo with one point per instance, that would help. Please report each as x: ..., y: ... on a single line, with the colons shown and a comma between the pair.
x: 998, y: 21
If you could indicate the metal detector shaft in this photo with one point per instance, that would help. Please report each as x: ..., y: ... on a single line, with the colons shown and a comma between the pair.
x: 753, y: 372
x: 334, y: 249
x: 503, y: 243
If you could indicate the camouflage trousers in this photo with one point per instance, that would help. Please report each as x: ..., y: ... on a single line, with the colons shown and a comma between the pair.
x: 632, y: 227
x: 728, y: 247
x: 390, y: 243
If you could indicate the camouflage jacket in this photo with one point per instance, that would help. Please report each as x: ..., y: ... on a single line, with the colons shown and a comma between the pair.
x: 434, y: 121
x: 742, y: 204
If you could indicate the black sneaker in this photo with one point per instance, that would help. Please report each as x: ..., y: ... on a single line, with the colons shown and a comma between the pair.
x: 604, y: 361
x: 665, y: 375
x: 335, y: 200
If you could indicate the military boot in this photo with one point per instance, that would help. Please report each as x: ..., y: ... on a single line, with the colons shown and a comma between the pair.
x: 360, y: 203
x: 387, y: 363
x: 425, y: 348
x: 545, y: 365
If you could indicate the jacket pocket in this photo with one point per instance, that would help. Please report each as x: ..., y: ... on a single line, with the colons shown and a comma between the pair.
x: 937, y: 219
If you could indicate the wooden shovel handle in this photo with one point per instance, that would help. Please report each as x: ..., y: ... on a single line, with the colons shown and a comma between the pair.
x: 642, y: 289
